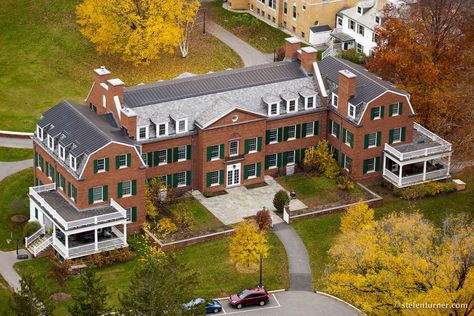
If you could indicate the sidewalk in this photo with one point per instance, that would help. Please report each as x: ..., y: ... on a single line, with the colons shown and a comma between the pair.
x: 9, y: 168
x: 7, y: 260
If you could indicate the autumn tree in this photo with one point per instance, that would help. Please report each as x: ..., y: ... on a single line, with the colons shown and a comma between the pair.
x: 426, y: 48
x: 153, y: 197
x: 264, y: 219
x: 247, y: 245
x: 139, y: 30
x: 403, y: 258
x: 91, y: 297
x: 320, y: 160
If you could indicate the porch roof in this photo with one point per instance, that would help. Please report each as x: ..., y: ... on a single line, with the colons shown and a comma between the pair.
x: 420, y: 141
x: 341, y: 36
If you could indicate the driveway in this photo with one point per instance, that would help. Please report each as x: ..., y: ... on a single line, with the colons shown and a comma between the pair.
x: 241, y: 202
x: 16, y: 142
x: 9, y: 168
x: 7, y: 260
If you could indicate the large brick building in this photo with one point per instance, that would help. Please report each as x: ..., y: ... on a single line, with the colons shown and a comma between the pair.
x: 211, y: 132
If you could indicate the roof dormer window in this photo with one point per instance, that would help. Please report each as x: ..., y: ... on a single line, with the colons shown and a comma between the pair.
x: 182, y: 126
x: 309, y: 103
x: 143, y: 133
x: 161, y: 129
x: 334, y: 100
x: 73, y: 162
x: 274, y: 109
x: 377, y: 20
x: 291, y: 106
x: 360, y: 10
x: 51, y: 142
x: 39, y: 132
x: 351, y: 111
x: 62, y: 152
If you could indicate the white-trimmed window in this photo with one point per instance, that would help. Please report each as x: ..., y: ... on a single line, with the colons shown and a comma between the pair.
x: 50, y: 172
x: 339, y: 21
x: 122, y: 161
x: 370, y: 165
x: 181, y: 152
x: 182, y: 126
x: 126, y: 188
x: 273, y: 136
x: 233, y: 148
x: 349, y: 138
x: 396, y: 135
x: 129, y: 214
x: 360, y: 29
x: 62, y: 152
x: 145, y: 158
x: 309, y: 103
x: 351, y: 111
x: 291, y: 106
x: 285, y: 7
x: 162, y: 157
x: 334, y: 100
x: 251, y: 171
x: 252, y: 145
x: 143, y: 133
x: 214, y: 178
x: 274, y: 109
x: 215, y: 153
x: 294, y: 11
x: 101, y: 165
x: 181, y: 177
x: 347, y: 163
x: 73, y: 162
x: 50, y: 142
x: 377, y: 20
x: 376, y: 113
x: 39, y: 132
x: 290, y: 158
x: 309, y: 129
x: 351, y: 24
x: 372, y: 140
x: 272, y: 161
x: 395, y: 109
x: 291, y: 132
x: 359, y: 10
x: 162, y: 129
x: 359, y: 48
x: 97, y: 194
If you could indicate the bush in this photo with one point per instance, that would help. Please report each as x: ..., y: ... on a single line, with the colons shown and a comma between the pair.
x: 183, y: 218
x: 30, y: 228
x: 281, y: 199
x: 321, y: 161
x: 165, y: 227
x: 353, y: 56
x: 422, y: 190
x: 264, y: 219
x: 344, y: 183
x: 280, y: 53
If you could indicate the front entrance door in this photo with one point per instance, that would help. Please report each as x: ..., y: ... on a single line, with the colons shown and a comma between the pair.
x: 233, y: 174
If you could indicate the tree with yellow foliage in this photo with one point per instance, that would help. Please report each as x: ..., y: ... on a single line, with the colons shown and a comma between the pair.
x: 320, y: 160
x: 248, y: 244
x: 138, y: 30
x: 152, y: 197
x: 403, y: 258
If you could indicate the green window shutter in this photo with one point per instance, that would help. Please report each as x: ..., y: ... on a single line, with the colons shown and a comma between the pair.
x: 303, y: 153
x: 372, y: 113
x: 390, y: 112
x: 259, y: 169
x: 41, y: 162
x: 134, y: 187
x: 169, y: 155
x: 298, y: 128
x: 117, y: 163
x: 175, y: 180
x: 267, y: 137
x: 390, y: 136
x: 285, y: 158
x: 316, y: 128
x: 52, y: 172
x: 168, y: 180
x: 382, y: 111
x: 119, y: 190
x: 95, y: 166
x: 105, y: 192
x: 208, y: 179
x: 366, y: 166
x: 188, y: 152
x: 74, y: 193
x: 285, y: 133
x: 366, y: 141
x: 303, y: 132
x: 343, y: 159
x: 267, y: 162
x: 134, y: 214
x: 352, y: 140
x: 343, y: 135
x: 155, y: 158
x: 36, y: 159
x: 404, y: 130
x: 69, y: 189
x: 188, y: 177
x: 246, y: 172
x: 209, y: 151
x: 246, y: 146
x: 129, y: 160
x: 221, y: 176
x: 175, y: 154
x: 91, y: 196
x: 330, y: 126
x: 279, y: 159
x: 297, y: 155
x: 107, y: 164
x: 336, y: 155
x: 221, y: 151
x: 149, y: 158
x: 337, y: 130
x: 379, y: 138
x: 259, y: 144
x: 377, y: 163
x: 47, y: 169
x: 400, y: 108
x: 280, y: 134
x: 57, y: 179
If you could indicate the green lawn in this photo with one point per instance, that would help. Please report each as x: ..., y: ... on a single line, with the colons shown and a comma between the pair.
x: 318, y: 191
x: 5, y: 294
x: 13, y: 200
x: 217, y: 275
x: 318, y: 233
x: 44, y: 60
x: 15, y: 154
x: 250, y: 29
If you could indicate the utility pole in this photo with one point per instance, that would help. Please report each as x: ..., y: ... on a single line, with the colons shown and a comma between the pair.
x: 204, y: 22
x: 261, y: 260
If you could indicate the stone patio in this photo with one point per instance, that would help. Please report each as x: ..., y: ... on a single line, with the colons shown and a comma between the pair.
x: 241, y: 202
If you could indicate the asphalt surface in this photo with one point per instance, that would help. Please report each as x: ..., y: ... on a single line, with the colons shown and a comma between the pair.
x: 9, y: 168
x: 16, y: 142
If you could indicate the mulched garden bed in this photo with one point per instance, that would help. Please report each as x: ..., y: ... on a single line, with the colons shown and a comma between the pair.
x: 256, y: 185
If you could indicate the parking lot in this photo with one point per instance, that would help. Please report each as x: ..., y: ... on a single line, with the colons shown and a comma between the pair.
x: 228, y: 309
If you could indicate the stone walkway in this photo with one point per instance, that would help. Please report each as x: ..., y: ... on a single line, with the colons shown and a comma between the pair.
x: 250, y: 56
x: 241, y: 202
x: 7, y: 260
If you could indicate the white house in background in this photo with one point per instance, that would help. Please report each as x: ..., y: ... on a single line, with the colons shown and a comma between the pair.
x: 355, y: 27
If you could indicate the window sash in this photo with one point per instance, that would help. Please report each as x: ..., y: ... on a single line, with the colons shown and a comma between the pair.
x: 371, y: 165
x: 126, y: 188
x: 234, y: 148
x: 372, y: 140
x: 181, y: 126
x: 181, y: 152
x: 252, y: 144
x: 290, y: 157
x: 215, y: 152
x: 142, y: 134
x: 122, y: 161
x: 273, y: 136
x: 251, y: 170
x: 162, y: 157
x: 181, y: 179
x: 274, y: 109
x: 214, y: 177
x: 100, y: 165
x: 396, y: 135
x: 98, y: 194
x: 161, y: 129
x: 291, y: 132
x: 309, y: 129
x: 310, y: 102
x: 272, y: 161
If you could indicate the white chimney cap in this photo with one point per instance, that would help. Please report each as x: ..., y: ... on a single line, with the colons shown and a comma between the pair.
x: 346, y: 73
x: 115, y: 82
x: 293, y: 40
x: 309, y: 50
x: 102, y: 71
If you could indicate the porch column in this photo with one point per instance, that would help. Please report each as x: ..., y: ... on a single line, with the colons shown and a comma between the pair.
x: 449, y: 163
x: 424, y: 170
x: 400, y: 175
x: 384, y: 164
x: 66, y: 243
x: 96, y: 240
x: 54, y: 234
x: 125, y: 233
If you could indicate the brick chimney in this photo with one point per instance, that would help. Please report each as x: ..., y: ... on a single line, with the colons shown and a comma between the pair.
x: 292, y: 45
x: 346, y: 89
x: 307, y: 58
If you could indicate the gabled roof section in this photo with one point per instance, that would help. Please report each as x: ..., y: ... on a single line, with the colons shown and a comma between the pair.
x: 165, y: 91
x: 368, y: 85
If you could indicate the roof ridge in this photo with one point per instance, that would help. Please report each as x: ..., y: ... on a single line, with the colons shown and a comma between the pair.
x: 367, y: 77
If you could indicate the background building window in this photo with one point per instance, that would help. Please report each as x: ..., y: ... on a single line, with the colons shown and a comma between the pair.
x: 272, y: 161
x: 98, y: 194
x: 181, y: 153
x: 273, y: 136
x: 251, y: 171
x: 292, y: 132
x: 181, y: 179
x: 214, y: 152
x: 234, y: 148
x: 162, y: 129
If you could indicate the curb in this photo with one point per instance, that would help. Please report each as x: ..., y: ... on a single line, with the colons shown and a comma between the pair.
x: 15, y: 134
x: 342, y: 301
x: 269, y: 292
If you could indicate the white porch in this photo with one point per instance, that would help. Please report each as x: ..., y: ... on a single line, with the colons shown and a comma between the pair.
x: 71, y: 232
x: 427, y: 158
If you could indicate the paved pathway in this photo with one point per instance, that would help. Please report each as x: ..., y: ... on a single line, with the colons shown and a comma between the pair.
x: 7, y: 260
x: 250, y: 56
x: 16, y: 142
x: 241, y: 202
x: 9, y: 168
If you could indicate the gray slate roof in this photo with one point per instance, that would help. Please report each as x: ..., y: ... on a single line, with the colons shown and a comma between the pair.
x: 320, y: 28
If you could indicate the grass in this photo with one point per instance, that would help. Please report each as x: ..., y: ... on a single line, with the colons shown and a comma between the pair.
x: 318, y: 191
x: 5, y: 295
x: 319, y: 233
x: 44, y: 59
x: 15, y: 154
x: 13, y: 201
x: 217, y: 275
x: 247, y: 27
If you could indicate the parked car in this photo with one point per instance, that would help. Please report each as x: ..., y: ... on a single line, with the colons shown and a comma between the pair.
x: 251, y: 296
x: 212, y: 306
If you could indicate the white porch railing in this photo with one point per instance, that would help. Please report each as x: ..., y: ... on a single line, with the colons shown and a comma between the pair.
x: 31, y: 238
x: 417, y: 178
x: 59, y: 247
x: 47, y: 242
x: 89, y: 249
